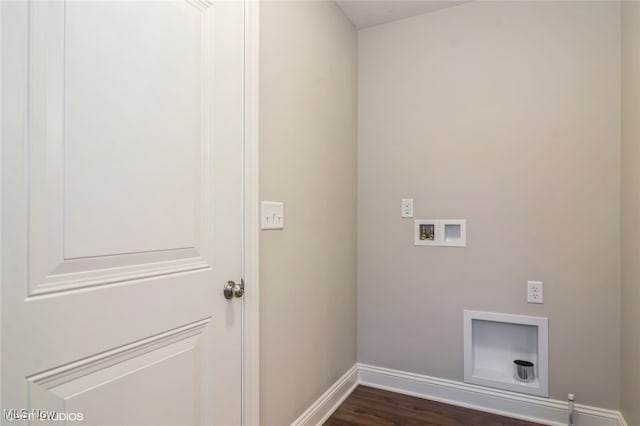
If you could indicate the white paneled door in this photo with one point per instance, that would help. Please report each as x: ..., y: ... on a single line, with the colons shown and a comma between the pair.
x: 122, y: 142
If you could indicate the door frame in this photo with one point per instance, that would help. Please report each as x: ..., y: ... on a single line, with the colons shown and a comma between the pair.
x: 1, y: 196
x: 251, y: 220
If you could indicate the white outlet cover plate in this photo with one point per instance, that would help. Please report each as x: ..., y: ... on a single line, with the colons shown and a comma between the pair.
x: 535, y: 292
x: 407, y: 207
x: 272, y: 215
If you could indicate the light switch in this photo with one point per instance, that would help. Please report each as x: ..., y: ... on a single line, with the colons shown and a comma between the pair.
x: 272, y: 216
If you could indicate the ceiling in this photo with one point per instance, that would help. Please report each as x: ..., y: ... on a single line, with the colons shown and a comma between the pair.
x: 366, y: 13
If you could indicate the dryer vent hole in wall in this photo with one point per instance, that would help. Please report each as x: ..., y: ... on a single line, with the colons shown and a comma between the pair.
x: 506, y: 351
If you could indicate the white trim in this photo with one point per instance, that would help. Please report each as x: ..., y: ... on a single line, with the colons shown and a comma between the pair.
x: 250, y: 273
x: 1, y: 149
x: 329, y: 402
x: 526, y: 407
x: 551, y: 412
x: 621, y: 420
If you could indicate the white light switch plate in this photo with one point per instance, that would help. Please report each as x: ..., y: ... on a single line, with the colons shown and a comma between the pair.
x: 272, y: 215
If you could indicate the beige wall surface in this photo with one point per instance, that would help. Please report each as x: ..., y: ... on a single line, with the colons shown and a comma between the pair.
x: 307, y: 160
x: 506, y: 114
x: 630, y: 211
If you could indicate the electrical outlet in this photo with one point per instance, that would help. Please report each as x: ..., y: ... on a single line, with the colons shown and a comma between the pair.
x: 535, y: 292
x: 407, y: 207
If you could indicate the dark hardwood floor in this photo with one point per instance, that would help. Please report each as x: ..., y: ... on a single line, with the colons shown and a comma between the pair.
x: 368, y: 406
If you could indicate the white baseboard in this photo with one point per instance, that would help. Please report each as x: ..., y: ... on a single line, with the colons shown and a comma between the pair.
x: 526, y: 407
x: 329, y: 402
x: 551, y: 412
x: 621, y: 420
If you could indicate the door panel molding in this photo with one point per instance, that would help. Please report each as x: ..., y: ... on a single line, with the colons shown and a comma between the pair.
x: 201, y: 5
x: 55, y: 388
x: 49, y: 270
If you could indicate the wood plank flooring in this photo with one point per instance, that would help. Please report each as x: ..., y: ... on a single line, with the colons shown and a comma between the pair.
x: 368, y: 406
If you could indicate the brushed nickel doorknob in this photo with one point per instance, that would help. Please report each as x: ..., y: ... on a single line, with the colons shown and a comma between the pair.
x: 233, y: 289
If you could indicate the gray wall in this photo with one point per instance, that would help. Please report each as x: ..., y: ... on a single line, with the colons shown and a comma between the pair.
x: 506, y: 114
x: 630, y: 211
x: 307, y: 159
